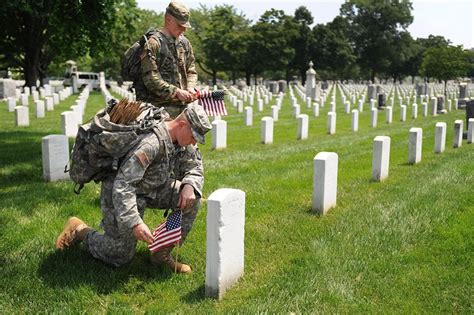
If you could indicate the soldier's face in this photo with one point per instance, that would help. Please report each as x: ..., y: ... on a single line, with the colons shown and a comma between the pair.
x: 185, y: 135
x: 176, y: 29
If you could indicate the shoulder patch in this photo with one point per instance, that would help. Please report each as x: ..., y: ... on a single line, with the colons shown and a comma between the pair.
x: 142, y: 158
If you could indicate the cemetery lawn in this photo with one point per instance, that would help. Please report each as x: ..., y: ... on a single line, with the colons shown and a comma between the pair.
x: 405, y: 245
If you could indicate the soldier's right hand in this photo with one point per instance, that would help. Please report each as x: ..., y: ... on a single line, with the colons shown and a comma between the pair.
x: 142, y: 233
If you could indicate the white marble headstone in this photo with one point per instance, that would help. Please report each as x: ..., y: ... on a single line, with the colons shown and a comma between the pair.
x: 22, y: 116
x: 380, y: 158
x: 302, y: 127
x: 458, y: 128
x: 39, y: 107
x: 69, y: 123
x: 219, y: 134
x: 470, y: 131
x: 415, y: 145
x: 248, y: 116
x: 55, y: 152
x: 373, y: 117
x: 275, y: 111
x: 331, y: 123
x: 440, y: 137
x: 325, y: 182
x: 225, y: 233
x: 355, y: 120
x: 267, y: 130
x: 389, y: 114
x: 11, y: 104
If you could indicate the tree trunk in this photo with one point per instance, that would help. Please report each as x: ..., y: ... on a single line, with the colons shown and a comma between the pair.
x: 372, y: 75
x: 255, y: 78
x: 214, y: 77
x: 30, y: 70
x: 248, y: 76
x: 233, y: 77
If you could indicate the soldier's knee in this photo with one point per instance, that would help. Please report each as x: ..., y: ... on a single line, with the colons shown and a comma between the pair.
x: 121, y: 261
x: 122, y: 257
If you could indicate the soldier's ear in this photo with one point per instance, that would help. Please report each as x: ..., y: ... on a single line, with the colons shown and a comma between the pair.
x: 182, y: 123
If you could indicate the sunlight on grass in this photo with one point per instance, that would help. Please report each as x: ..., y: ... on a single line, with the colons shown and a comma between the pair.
x: 401, y: 246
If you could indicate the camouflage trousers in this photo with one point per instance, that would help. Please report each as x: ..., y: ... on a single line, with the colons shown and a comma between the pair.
x: 115, y: 247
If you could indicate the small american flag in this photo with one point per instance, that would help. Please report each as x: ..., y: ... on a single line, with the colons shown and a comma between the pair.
x: 168, y: 232
x: 213, y: 102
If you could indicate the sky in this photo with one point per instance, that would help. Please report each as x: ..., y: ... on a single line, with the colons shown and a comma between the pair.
x: 453, y: 19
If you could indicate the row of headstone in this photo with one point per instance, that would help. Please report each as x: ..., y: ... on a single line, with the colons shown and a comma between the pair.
x: 326, y: 163
x: 105, y: 93
x: 55, y: 148
x: 73, y: 118
x: 124, y: 92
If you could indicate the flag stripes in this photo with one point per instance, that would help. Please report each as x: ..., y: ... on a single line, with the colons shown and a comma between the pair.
x: 213, y: 102
x: 167, y: 233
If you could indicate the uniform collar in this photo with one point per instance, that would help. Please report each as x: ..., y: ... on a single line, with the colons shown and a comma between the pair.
x: 169, y: 38
x: 170, y: 146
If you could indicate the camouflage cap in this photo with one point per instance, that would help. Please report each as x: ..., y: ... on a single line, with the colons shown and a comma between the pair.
x: 198, y: 120
x: 179, y: 12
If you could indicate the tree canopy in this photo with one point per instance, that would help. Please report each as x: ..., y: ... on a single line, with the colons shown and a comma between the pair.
x: 36, y: 32
x: 444, y: 63
x: 368, y: 39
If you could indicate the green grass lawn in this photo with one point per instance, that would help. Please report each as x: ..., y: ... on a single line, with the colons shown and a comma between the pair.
x: 405, y: 245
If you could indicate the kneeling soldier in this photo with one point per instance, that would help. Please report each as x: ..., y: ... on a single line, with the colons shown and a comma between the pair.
x: 163, y: 171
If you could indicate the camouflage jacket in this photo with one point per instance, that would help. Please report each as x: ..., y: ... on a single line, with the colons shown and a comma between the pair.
x: 154, y: 162
x: 170, y: 67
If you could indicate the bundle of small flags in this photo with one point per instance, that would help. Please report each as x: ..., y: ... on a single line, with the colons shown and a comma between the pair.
x: 167, y: 233
x: 213, y: 102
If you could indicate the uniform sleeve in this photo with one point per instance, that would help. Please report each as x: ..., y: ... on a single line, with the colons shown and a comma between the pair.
x: 191, y: 170
x: 131, y: 172
x: 191, y: 68
x: 152, y: 77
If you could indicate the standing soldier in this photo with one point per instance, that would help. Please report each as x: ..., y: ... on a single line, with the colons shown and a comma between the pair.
x: 163, y: 171
x: 168, y: 74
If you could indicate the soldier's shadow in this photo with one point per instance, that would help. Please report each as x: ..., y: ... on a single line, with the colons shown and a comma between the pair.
x: 73, y: 268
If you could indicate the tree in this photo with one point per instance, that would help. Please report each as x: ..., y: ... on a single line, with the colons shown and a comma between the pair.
x: 374, y: 27
x: 403, y: 57
x: 218, y: 39
x: 332, y: 52
x: 34, y: 32
x: 302, y: 42
x: 269, y: 47
x: 130, y: 24
x: 445, y: 63
x: 470, y: 63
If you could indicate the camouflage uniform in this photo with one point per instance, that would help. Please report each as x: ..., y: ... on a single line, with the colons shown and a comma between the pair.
x: 170, y: 67
x: 146, y: 178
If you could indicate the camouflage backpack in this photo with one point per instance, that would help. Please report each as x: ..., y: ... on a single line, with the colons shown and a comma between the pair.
x: 101, y: 144
x: 135, y: 54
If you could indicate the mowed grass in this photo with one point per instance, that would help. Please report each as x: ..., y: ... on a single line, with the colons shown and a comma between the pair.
x: 402, y: 246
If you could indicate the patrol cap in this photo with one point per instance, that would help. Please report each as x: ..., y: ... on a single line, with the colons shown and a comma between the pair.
x: 179, y: 12
x: 198, y: 121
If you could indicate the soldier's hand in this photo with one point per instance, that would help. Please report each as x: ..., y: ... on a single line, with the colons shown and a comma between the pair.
x: 193, y: 92
x: 187, y: 197
x: 142, y: 233
x: 184, y: 96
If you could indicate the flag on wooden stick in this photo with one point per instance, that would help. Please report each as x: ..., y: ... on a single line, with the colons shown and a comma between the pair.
x: 167, y: 233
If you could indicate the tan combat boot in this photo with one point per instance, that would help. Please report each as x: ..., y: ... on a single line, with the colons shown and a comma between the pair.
x: 163, y: 257
x: 75, y: 230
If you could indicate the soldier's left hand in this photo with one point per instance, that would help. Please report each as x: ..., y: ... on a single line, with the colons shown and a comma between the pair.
x: 187, y: 197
